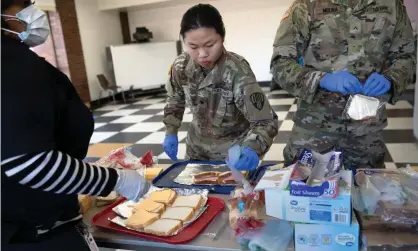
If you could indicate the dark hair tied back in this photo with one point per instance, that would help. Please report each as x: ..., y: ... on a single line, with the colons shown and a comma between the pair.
x: 202, y: 16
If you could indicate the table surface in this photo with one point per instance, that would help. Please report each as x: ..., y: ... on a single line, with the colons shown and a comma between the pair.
x: 218, y: 236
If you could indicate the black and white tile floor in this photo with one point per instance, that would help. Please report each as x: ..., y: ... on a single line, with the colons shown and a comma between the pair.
x: 139, y: 124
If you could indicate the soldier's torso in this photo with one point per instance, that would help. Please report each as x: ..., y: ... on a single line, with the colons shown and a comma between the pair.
x: 210, y: 97
x: 354, y: 35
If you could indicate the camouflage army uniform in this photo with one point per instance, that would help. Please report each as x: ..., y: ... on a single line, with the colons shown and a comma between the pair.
x: 361, y: 36
x: 228, y: 107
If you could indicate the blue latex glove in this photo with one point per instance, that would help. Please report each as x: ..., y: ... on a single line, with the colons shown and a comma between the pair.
x: 248, y: 160
x: 342, y: 82
x: 171, y: 146
x: 376, y: 85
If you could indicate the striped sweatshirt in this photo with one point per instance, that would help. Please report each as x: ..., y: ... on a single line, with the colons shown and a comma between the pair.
x: 56, y: 172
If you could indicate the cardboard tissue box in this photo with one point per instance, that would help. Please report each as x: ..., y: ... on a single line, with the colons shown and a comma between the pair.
x: 321, y: 210
x: 316, y: 175
x: 315, y: 237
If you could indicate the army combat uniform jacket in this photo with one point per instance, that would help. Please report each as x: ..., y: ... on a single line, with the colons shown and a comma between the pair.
x: 227, y: 104
x: 361, y: 36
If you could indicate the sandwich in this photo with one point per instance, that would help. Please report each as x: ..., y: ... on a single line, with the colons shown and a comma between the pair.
x: 206, y: 178
x: 183, y: 214
x: 163, y: 227
x: 226, y: 178
x: 149, y: 206
x: 194, y: 201
x: 166, y: 196
x: 140, y: 219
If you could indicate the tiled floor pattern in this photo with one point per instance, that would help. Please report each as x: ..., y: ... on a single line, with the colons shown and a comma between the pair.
x: 139, y: 124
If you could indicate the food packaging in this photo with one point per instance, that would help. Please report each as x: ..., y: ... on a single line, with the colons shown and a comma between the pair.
x: 316, y: 175
x: 360, y: 107
x: 245, y: 210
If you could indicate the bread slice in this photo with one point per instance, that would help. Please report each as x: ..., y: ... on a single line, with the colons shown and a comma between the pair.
x: 150, y: 206
x: 206, y: 180
x: 206, y: 174
x: 166, y: 196
x: 140, y: 219
x: 183, y: 214
x: 194, y: 201
x: 163, y: 227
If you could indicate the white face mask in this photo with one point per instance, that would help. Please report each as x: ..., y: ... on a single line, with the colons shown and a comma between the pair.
x: 37, y: 27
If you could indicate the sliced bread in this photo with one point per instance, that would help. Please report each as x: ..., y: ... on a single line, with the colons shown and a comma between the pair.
x: 150, y: 206
x: 163, y: 227
x: 166, y: 196
x: 140, y: 219
x: 183, y: 214
x: 194, y: 201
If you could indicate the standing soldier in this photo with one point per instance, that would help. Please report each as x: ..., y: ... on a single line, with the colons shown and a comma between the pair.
x: 348, y: 47
x: 227, y: 103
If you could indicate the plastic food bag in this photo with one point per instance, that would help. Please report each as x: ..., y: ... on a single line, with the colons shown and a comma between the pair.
x: 123, y: 158
x: 378, y: 186
x: 360, y: 107
x: 244, y: 215
x: 403, y: 217
x: 409, y: 182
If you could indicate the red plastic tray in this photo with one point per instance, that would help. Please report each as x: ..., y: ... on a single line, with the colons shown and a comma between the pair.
x: 215, y: 206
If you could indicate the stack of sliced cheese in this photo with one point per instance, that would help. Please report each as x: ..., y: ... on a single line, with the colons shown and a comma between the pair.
x: 164, y: 212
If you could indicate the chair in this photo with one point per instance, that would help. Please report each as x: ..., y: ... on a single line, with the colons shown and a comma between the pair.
x: 105, y: 86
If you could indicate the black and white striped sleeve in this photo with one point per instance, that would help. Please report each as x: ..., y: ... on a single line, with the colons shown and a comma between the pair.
x: 56, y: 172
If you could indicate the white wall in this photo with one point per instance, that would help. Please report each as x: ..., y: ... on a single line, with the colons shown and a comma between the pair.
x: 250, y: 27
x: 98, y: 29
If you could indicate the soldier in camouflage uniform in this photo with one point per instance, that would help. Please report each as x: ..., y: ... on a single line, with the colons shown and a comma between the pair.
x: 372, y: 40
x: 228, y: 105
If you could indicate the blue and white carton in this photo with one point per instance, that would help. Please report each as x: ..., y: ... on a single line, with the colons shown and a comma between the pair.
x: 320, y: 210
x: 315, y: 237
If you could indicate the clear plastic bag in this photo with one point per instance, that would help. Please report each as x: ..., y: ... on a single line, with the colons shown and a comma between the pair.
x: 409, y: 182
x: 244, y: 211
x: 275, y: 235
x: 375, y: 186
x: 360, y: 107
x: 123, y: 158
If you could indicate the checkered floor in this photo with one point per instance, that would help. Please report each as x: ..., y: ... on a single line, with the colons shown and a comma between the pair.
x: 139, y: 124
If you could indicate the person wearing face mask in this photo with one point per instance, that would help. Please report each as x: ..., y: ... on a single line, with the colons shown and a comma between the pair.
x: 229, y: 108
x: 45, y: 131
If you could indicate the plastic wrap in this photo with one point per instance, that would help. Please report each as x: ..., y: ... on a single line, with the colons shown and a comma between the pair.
x: 409, y: 182
x: 124, y: 210
x: 360, y: 107
x: 123, y: 158
x: 244, y: 211
x: 384, y: 202
x: 375, y: 186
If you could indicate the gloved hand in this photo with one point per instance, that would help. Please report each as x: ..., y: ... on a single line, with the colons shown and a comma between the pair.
x: 131, y: 184
x: 342, y: 81
x: 171, y: 146
x: 376, y: 85
x: 248, y: 160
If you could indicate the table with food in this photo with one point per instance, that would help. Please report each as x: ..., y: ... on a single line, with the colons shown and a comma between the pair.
x: 312, y: 204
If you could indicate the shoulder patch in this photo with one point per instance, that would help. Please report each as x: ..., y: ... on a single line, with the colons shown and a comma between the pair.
x: 286, y: 15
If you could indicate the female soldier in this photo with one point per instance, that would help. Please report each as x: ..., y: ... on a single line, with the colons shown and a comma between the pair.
x: 227, y: 103
x: 46, y: 131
